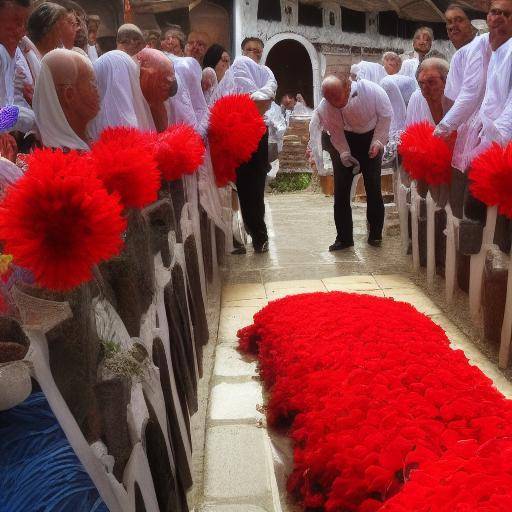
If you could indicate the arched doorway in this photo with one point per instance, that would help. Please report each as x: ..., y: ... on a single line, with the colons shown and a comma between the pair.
x: 292, y: 67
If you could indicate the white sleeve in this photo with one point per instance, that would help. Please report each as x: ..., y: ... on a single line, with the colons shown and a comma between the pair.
x: 502, y: 127
x: 315, y: 141
x: 471, y: 93
x: 268, y: 91
x: 384, y: 115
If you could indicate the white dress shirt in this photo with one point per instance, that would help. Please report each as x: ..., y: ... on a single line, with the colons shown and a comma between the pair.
x: 368, y: 109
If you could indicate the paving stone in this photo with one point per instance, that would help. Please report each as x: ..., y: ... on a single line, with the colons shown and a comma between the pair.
x: 230, y: 363
x: 243, y: 291
x: 231, y: 508
x: 236, y: 401
x: 304, y: 283
x: 236, y: 464
x: 394, y: 281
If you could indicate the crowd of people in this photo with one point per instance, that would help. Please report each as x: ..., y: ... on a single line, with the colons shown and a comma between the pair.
x: 468, y: 99
x: 60, y: 91
x: 66, y: 91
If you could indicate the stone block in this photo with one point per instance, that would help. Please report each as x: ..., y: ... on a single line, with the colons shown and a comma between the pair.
x: 422, y: 240
x: 457, y: 191
x: 494, y: 294
x: 229, y: 362
x: 440, y: 237
x: 231, y: 508
x: 463, y: 261
x: 236, y: 464
x: 470, y: 236
x: 236, y: 401
x: 502, y: 233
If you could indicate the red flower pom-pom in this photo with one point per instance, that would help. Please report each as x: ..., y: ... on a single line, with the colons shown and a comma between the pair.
x: 424, y: 156
x: 179, y: 150
x: 235, y: 130
x: 491, y: 178
x: 58, y: 221
x: 123, y: 160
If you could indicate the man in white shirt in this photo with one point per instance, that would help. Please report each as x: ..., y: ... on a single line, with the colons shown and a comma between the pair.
x: 422, y: 43
x: 13, y: 21
x: 357, y: 116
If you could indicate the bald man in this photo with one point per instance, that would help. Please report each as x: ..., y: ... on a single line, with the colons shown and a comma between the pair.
x: 130, y: 39
x: 356, y: 116
x: 158, y: 83
x: 65, y: 100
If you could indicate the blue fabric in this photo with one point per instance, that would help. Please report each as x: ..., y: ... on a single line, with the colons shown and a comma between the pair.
x: 39, y: 471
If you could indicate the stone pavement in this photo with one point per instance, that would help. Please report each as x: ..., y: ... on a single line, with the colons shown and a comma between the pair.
x: 245, y: 466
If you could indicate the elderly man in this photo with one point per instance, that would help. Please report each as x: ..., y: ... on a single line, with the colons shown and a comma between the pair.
x: 251, y: 177
x: 13, y: 20
x: 357, y: 116
x: 130, y: 39
x: 252, y: 47
x: 422, y: 43
x: 173, y: 42
x: 65, y: 99
x: 197, y: 44
x: 426, y: 104
x: 158, y: 83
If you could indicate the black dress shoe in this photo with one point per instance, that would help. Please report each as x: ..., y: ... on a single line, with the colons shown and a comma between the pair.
x: 261, y: 248
x: 339, y: 245
x: 375, y: 242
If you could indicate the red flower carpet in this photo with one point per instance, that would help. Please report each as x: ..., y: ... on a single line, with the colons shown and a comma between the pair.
x: 383, y: 414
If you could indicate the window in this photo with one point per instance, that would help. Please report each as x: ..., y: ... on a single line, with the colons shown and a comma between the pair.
x: 391, y: 25
x: 269, y: 10
x: 353, y: 21
x: 310, y: 15
x: 332, y: 19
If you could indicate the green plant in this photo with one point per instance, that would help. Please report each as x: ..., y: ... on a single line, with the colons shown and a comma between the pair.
x: 290, y: 182
x: 124, y: 363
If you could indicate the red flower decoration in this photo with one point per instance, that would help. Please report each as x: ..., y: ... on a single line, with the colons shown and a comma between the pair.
x: 123, y: 160
x: 424, y: 156
x: 384, y: 415
x: 235, y: 130
x: 491, y: 178
x: 179, y: 150
x: 58, y: 221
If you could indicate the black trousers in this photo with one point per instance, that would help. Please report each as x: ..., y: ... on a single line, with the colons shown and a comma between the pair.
x: 359, y: 145
x: 250, y: 184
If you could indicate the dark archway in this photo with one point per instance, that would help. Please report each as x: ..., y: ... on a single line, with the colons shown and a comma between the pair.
x: 290, y: 62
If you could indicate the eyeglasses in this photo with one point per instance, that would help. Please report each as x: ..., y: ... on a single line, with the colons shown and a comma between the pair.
x: 500, y: 12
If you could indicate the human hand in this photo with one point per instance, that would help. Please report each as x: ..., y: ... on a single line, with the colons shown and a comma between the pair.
x: 8, y: 147
x: 263, y: 105
x: 375, y: 148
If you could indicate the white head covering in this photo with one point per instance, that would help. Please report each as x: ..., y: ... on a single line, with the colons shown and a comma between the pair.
x: 52, y: 123
x: 122, y: 101
x: 372, y: 71
x: 189, y: 105
x: 399, y: 89
x: 418, y: 110
x: 247, y: 77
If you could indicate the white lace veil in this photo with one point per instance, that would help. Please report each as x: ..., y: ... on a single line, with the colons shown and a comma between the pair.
x: 399, y: 89
x: 122, y: 101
